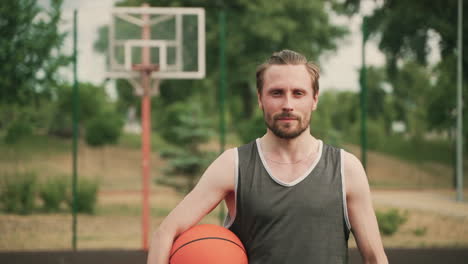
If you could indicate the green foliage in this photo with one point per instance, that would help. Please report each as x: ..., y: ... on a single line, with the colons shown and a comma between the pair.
x: 375, y: 78
x: 29, y: 51
x: 420, y: 231
x: 390, y: 221
x: 133, y: 141
x: 18, y: 192
x: 412, y: 88
x: 22, y: 121
x: 184, y: 169
x: 86, y: 196
x: 250, y: 129
x: 184, y: 124
x: 335, y: 124
x: 53, y: 192
x: 103, y: 129
x: 102, y: 122
x: 376, y: 134
x: 442, y: 100
x: 405, y: 35
x: 92, y: 102
x: 32, y: 146
x: 186, y: 127
x: 18, y: 129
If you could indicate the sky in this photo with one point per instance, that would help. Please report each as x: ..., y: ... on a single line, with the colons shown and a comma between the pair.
x: 339, y: 69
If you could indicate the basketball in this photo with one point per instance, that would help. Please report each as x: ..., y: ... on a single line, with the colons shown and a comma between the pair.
x: 208, y: 244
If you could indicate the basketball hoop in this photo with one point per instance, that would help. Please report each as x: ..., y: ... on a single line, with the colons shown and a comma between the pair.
x: 171, y: 46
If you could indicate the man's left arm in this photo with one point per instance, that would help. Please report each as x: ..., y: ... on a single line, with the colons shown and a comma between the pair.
x: 361, y: 212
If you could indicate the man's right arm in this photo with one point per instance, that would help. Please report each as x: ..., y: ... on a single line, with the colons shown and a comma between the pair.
x: 217, y: 181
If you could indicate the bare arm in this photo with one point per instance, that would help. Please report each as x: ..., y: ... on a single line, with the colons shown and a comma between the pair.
x: 215, y: 183
x: 361, y: 212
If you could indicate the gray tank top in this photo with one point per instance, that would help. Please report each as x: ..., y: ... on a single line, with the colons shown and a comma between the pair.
x: 302, y: 222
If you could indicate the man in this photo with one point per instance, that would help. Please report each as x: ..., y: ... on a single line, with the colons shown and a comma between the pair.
x: 291, y: 198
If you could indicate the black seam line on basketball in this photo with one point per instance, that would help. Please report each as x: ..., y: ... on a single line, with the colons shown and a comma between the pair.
x: 205, y: 238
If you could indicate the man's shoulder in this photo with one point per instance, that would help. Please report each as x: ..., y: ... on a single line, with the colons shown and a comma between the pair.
x: 352, y: 166
x: 350, y: 159
x: 221, y: 172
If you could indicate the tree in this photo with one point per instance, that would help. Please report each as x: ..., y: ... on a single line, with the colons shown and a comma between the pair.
x: 94, y: 108
x: 28, y: 51
x: 442, y: 105
x: 186, y: 128
x: 30, y: 59
x: 404, y: 29
x: 412, y: 90
x: 375, y: 81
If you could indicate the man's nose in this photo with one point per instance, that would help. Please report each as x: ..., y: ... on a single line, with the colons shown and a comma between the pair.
x: 287, y: 106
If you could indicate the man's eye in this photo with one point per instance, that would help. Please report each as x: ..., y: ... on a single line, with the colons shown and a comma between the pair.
x: 299, y: 93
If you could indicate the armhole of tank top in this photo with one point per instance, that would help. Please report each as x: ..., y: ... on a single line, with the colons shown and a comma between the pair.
x: 343, y: 187
x: 229, y: 220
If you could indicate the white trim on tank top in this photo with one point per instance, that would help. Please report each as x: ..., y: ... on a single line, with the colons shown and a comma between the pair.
x: 296, y: 181
x: 343, y: 186
x: 229, y: 220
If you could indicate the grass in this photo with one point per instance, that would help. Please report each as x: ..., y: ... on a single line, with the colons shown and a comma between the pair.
x: 419, y: 150
x: 415, y: 151
x: 133, y: 141
x: 35, y: 145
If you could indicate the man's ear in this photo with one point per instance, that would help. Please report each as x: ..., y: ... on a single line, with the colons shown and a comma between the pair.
x: 316, y: 100
x: 259, y: 100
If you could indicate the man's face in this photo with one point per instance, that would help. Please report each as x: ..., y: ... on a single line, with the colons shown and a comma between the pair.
x: 287, y: 100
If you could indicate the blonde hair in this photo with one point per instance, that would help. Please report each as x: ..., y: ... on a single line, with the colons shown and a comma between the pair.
x: 288, y: 57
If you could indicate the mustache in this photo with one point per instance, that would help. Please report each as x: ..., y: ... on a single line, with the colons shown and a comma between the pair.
x: 285, y: 115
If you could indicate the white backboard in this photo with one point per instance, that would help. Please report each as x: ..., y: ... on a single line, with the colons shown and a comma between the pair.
x: 177, y: 42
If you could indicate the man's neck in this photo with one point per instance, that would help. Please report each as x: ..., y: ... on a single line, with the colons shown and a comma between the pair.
x: 289, y: 150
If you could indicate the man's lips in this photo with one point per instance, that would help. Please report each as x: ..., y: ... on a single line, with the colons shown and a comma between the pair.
x: 286, y: 117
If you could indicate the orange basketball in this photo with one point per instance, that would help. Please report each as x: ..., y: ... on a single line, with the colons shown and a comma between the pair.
x: 208, y: 244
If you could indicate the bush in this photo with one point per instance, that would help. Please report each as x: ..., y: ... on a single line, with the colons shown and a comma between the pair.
x: 185, y: 123
x: 390, y: 221
x: 92, y: 102
x: 420, y: 231
x: 18, y: 192
x: 18, y: 130
x: 103, y: 129
x: 86, y: 196
x: 52, y: 193
x: 376, y: 134
x: 186, y: 128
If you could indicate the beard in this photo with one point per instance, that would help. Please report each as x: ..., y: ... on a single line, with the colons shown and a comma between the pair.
x: 286, y: 130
